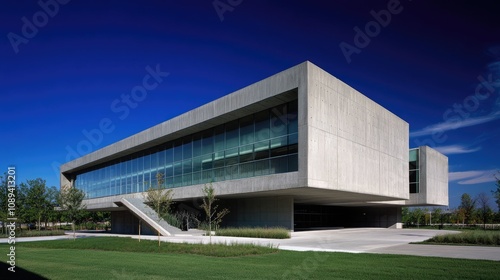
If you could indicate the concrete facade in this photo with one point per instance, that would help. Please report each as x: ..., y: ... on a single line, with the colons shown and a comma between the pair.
x: 433, y: 168
x: 352, y: 152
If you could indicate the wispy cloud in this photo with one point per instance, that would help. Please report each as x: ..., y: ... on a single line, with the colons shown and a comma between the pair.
x: 473, y: 176
x: 451, y: 125
x: 456, y: 149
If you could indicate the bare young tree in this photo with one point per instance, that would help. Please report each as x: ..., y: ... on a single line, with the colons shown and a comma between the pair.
x: 213, y: 217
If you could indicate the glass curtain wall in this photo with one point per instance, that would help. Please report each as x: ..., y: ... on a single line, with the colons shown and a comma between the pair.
x: 414, y: 171
x: 259, y: 144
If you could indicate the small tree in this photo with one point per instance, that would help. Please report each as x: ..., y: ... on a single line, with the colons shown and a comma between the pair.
x: 37, y: 199
x: 418, y: 213
x: 406, y: 216
x: 212, y: 216
x: 484, y: 210
x: 467, y: 206
x: 70, y: 200
x: 159, y: 199
x: 437, y: 215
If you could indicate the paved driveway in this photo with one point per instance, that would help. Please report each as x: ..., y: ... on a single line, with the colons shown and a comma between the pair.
x: 356, y: 240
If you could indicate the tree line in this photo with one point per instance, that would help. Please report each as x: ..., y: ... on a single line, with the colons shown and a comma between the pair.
x: 41, y: 207
x: 472, y: 211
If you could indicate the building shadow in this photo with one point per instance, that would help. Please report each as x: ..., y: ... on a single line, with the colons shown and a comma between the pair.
x: 19, y: 273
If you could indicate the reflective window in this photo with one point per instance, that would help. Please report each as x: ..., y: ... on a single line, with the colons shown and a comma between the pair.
x: 414, y: 171
x: 255, y: 145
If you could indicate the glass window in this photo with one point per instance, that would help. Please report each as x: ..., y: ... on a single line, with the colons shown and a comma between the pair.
x: 262, y: 125
x: 177, y: 181
x: 278, y: 165
x: 123, y: 171
x: 197, y: 178
x: 279, y: 146
x: 254, y: 145
x: 232, y: 172
x: 140, y: 182
x: 246, y: 153
x: 219, y: 138
x: 231, y: 156
x: 293, y: 163
x: 169, y: 182
x: 154, y: 161
x: 186, y: 179
x: 218, y: 159
x: 134, y: 166
x: 219, y: 174
x: 147, y: 177
x: 292, y: 117
x: 169, y: 154
x: 140, y: 165
x: 414, y: 155
x: 232, y: 134
x: 413, y: 165
x: 414, y: 188
x: 197, y: 145
x: 197, y: 164
x: 414, y: 176
x: 293, y: 146
x: 207, y: 162
x: 261, y: 150
x: 246, y: 130
x: 207, y: 176
x: 187, y: 148
x: 177, y: 150
x: 247, y: 169
x: 169, y: 170
x: 177, y: 168
x: 161, y: 159
x: 279, y: 121
x: 187, y: 166
x: 147, y: 163
x: 207, y: 142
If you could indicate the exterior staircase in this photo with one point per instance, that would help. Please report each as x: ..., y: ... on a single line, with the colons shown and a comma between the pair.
x: 149, y: 216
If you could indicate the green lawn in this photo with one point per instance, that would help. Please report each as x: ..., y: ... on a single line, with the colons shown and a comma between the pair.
x: 96, y: 264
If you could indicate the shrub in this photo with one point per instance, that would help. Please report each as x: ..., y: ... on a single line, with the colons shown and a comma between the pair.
x: 123, y: 244
x: 34, y: 233
x: 172, y: 220
x: 258, y: 232
x: 490, y: 238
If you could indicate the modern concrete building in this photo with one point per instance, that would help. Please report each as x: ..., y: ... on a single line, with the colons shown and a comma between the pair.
x: 300, y: 149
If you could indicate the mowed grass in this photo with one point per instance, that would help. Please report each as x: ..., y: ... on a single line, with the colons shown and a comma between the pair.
x: 257, y: 232
x: 469, y: 237
x: 96, y: 263
x: 126, y: 244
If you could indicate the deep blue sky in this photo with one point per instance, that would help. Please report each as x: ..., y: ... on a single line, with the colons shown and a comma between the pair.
x: 423, y: 65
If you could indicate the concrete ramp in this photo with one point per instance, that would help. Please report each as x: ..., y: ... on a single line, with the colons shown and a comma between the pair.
x: 148, y: 215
